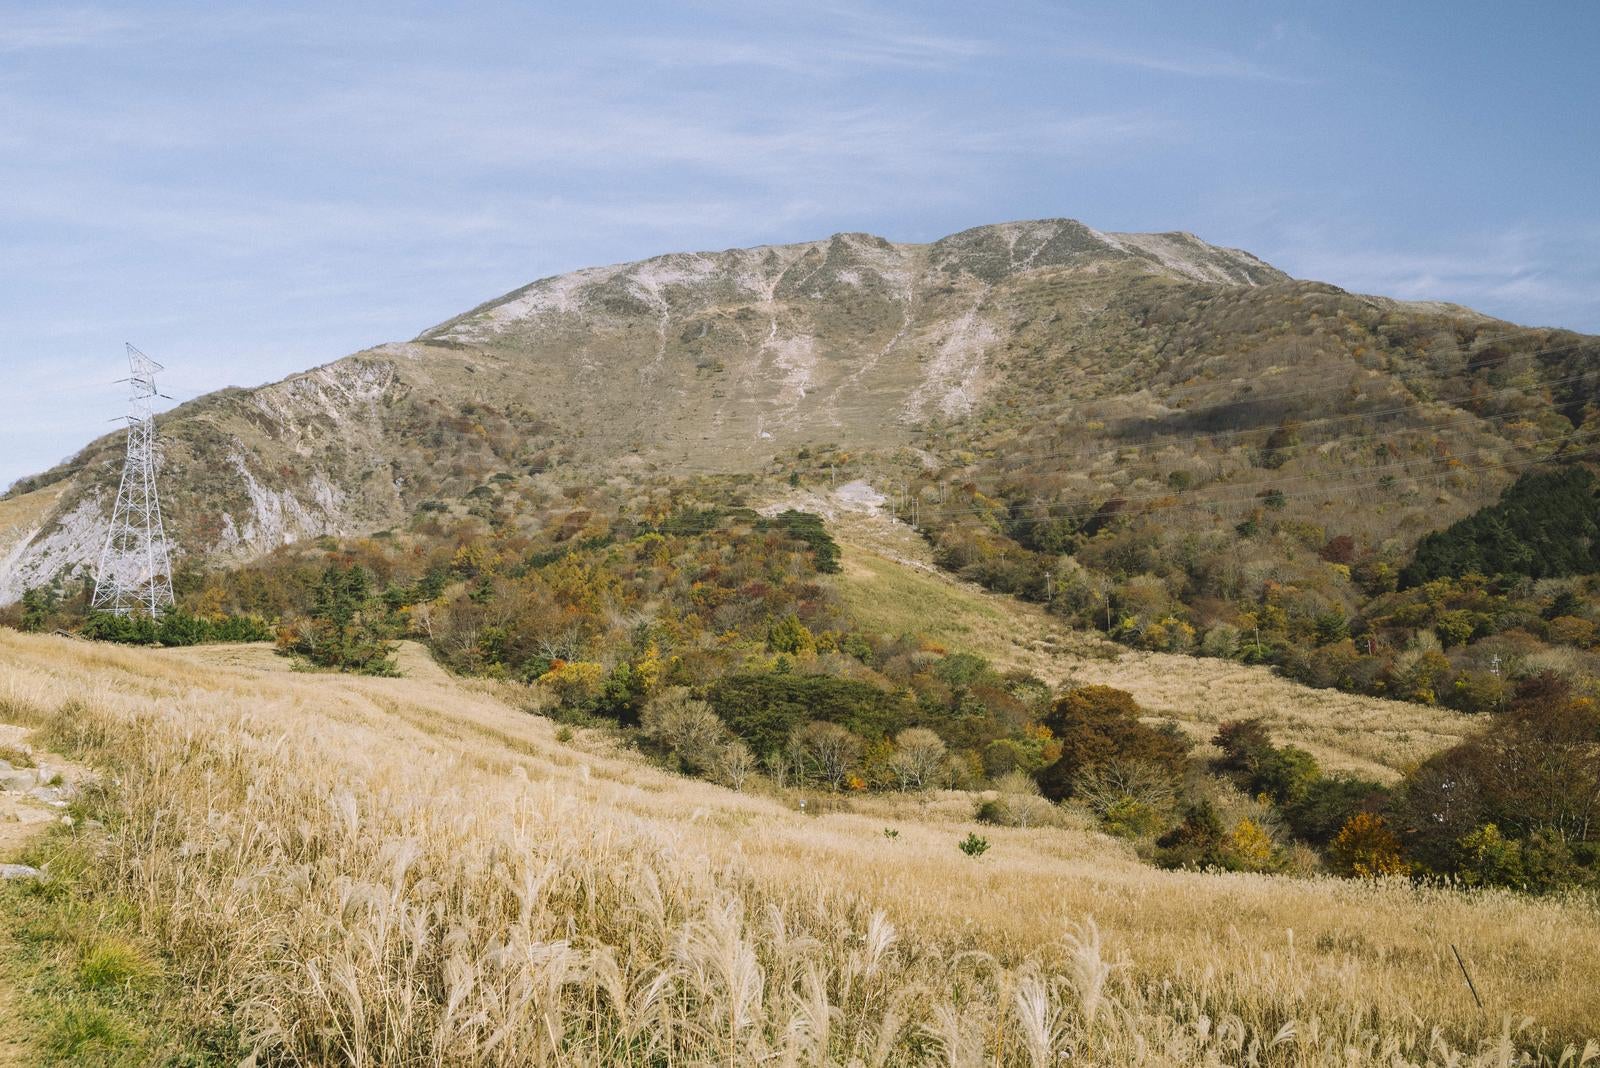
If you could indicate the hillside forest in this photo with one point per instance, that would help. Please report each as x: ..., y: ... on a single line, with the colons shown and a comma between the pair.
x: 710, y: 636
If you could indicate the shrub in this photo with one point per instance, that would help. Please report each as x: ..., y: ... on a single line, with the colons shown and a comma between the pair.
x: 1425, y: 678
x: 1454, y: 627
x: 1132, y: 798
x: 765, y: 710
x: 808, y: 527
x: 1245, y: 743
x: 1004, y: 755
x: 344, y: 630
x: 973, y: 846
x: 1097, y: 724
x: 686, y: 728
x: 1365, y: 847
x: 1127, y: 817
x: 1286, y: 775
x: 996, y: 811
x: 1533, y: 772
x: 1339, y: 550
x: 1485, y: 857
x: 1571, y: 630
x: 576, y: 683
x: 1250, y: 848
x: 1328, y: 804
x: 1220, y: 641
x: 1477, y: 691
x: 176, y: 628
x: 1197, y: 842
x: 789, y: 635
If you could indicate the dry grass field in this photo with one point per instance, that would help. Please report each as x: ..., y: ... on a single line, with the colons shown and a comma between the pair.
x: 891, y: 585
x: 412, y: 871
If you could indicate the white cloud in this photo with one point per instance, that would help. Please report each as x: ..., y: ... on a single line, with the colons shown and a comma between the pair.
x: 1527, y: 274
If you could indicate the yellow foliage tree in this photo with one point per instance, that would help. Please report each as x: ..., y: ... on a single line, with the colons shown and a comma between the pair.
x: 575, y: 680
x: 648, y: 669
x: 1367, y: 848
x: 1251, y: 846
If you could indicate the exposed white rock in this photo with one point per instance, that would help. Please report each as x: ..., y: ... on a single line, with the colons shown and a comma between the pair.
x: 951, y: 384
x: 859, y: 496
x: 278, y: 517
x: 1188, y: 257
x: 73, y: 540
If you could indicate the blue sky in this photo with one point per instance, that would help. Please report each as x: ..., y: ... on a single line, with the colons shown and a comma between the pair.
x: 249, y: 191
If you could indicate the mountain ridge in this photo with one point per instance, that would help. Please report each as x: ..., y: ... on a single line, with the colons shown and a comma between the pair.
x: 701, y: 363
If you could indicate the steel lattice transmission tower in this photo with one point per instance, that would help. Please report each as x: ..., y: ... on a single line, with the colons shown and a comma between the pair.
x: 135, y: 566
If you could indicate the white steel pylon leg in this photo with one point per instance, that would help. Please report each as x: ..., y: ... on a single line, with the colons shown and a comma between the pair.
x: 135, y: 565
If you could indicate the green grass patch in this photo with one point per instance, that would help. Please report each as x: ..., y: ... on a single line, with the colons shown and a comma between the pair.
x: 82, y: 985
x: 892, y: 598
x: 88, y: 1034
x: 111, y: 962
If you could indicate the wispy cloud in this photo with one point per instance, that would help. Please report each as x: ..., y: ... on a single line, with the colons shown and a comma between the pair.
x: 61, y: 28
x: 1194, y: 64
x: 809, y: 56
x: 1527, y: 274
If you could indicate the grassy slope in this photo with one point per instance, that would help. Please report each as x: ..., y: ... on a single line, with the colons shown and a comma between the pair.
x: 890, y: 585
x: 455, y: 768
x: 20, y: 516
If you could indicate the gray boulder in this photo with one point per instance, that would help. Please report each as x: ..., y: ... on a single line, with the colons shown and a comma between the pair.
x: 18, y: 779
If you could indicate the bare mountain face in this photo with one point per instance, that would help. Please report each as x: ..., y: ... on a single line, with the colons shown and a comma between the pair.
x: 713, y: 363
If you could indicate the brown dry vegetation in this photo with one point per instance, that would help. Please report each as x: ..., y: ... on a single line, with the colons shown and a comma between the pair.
x: 410, y: 871
x: 889, y: 583
x: 20, y: 516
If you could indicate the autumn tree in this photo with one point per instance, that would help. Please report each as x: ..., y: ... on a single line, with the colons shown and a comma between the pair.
x: 1366, y: 848
x: 686, y: 728
x: 1533, y: 773
x: 918, y: 758
x: 825, y: 752
x: 1097, y: 724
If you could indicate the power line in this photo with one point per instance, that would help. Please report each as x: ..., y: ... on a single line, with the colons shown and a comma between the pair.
x: 1179, y: 499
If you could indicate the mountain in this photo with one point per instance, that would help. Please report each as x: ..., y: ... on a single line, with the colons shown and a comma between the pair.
x: 1048, y: 340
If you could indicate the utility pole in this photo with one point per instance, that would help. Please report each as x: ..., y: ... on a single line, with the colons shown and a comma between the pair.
x: 135, y: 565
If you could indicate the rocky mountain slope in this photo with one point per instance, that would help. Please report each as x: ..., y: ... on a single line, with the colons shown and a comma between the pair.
x: 739, y: 361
